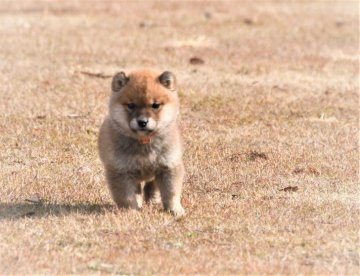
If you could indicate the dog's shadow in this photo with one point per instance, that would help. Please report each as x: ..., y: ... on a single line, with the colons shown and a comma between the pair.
x: 15, y: 211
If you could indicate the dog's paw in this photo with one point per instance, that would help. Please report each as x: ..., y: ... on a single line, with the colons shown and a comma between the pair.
x: 154, y: 199
x: 178, y: 211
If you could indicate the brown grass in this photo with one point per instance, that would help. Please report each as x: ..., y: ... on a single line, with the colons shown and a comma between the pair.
x: 270, y: 123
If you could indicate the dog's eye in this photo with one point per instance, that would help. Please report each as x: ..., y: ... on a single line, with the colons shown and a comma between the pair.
x: 155, y: 105
x: 131, y: 106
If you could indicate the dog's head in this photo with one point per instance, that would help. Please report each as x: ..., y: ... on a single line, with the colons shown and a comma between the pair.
x: 144, y: 103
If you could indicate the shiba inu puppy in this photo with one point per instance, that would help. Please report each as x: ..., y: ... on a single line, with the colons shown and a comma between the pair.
x: 140, y: 143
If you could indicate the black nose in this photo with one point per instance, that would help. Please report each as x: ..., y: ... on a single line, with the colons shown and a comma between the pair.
x: 142, y: 123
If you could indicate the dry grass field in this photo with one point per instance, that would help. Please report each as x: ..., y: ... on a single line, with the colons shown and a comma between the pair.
x: 270, y: 119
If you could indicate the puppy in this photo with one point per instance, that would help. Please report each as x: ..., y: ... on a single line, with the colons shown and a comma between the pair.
x: 140, y: 143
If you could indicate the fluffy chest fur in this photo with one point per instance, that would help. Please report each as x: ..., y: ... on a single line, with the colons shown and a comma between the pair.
x: 126, y: 155
x: 143, y: 161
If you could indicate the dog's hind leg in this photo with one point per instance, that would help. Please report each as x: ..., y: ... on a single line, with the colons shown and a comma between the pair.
x: 152, y: 192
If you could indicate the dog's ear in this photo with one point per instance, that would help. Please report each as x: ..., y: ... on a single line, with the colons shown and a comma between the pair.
x: 167, y: 79
x: 119, y: 81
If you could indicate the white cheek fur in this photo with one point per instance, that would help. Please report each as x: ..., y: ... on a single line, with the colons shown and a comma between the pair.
x: 134, y: 124
x: 151, y: 123
x: 168, y: 115
x: 119, y: 115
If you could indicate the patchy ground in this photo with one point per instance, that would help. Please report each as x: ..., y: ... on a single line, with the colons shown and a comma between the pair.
x: 270, y: 119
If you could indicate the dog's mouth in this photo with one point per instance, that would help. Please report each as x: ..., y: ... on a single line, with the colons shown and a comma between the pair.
x: 144, y: 136
x: 142, y: 125
x: 142, y: 132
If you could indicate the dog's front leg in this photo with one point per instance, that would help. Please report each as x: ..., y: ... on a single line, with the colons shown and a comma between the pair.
x: 170, y: 181
x: 125, y: 189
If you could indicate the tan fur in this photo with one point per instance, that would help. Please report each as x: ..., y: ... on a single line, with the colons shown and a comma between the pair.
x: 134, y: 169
